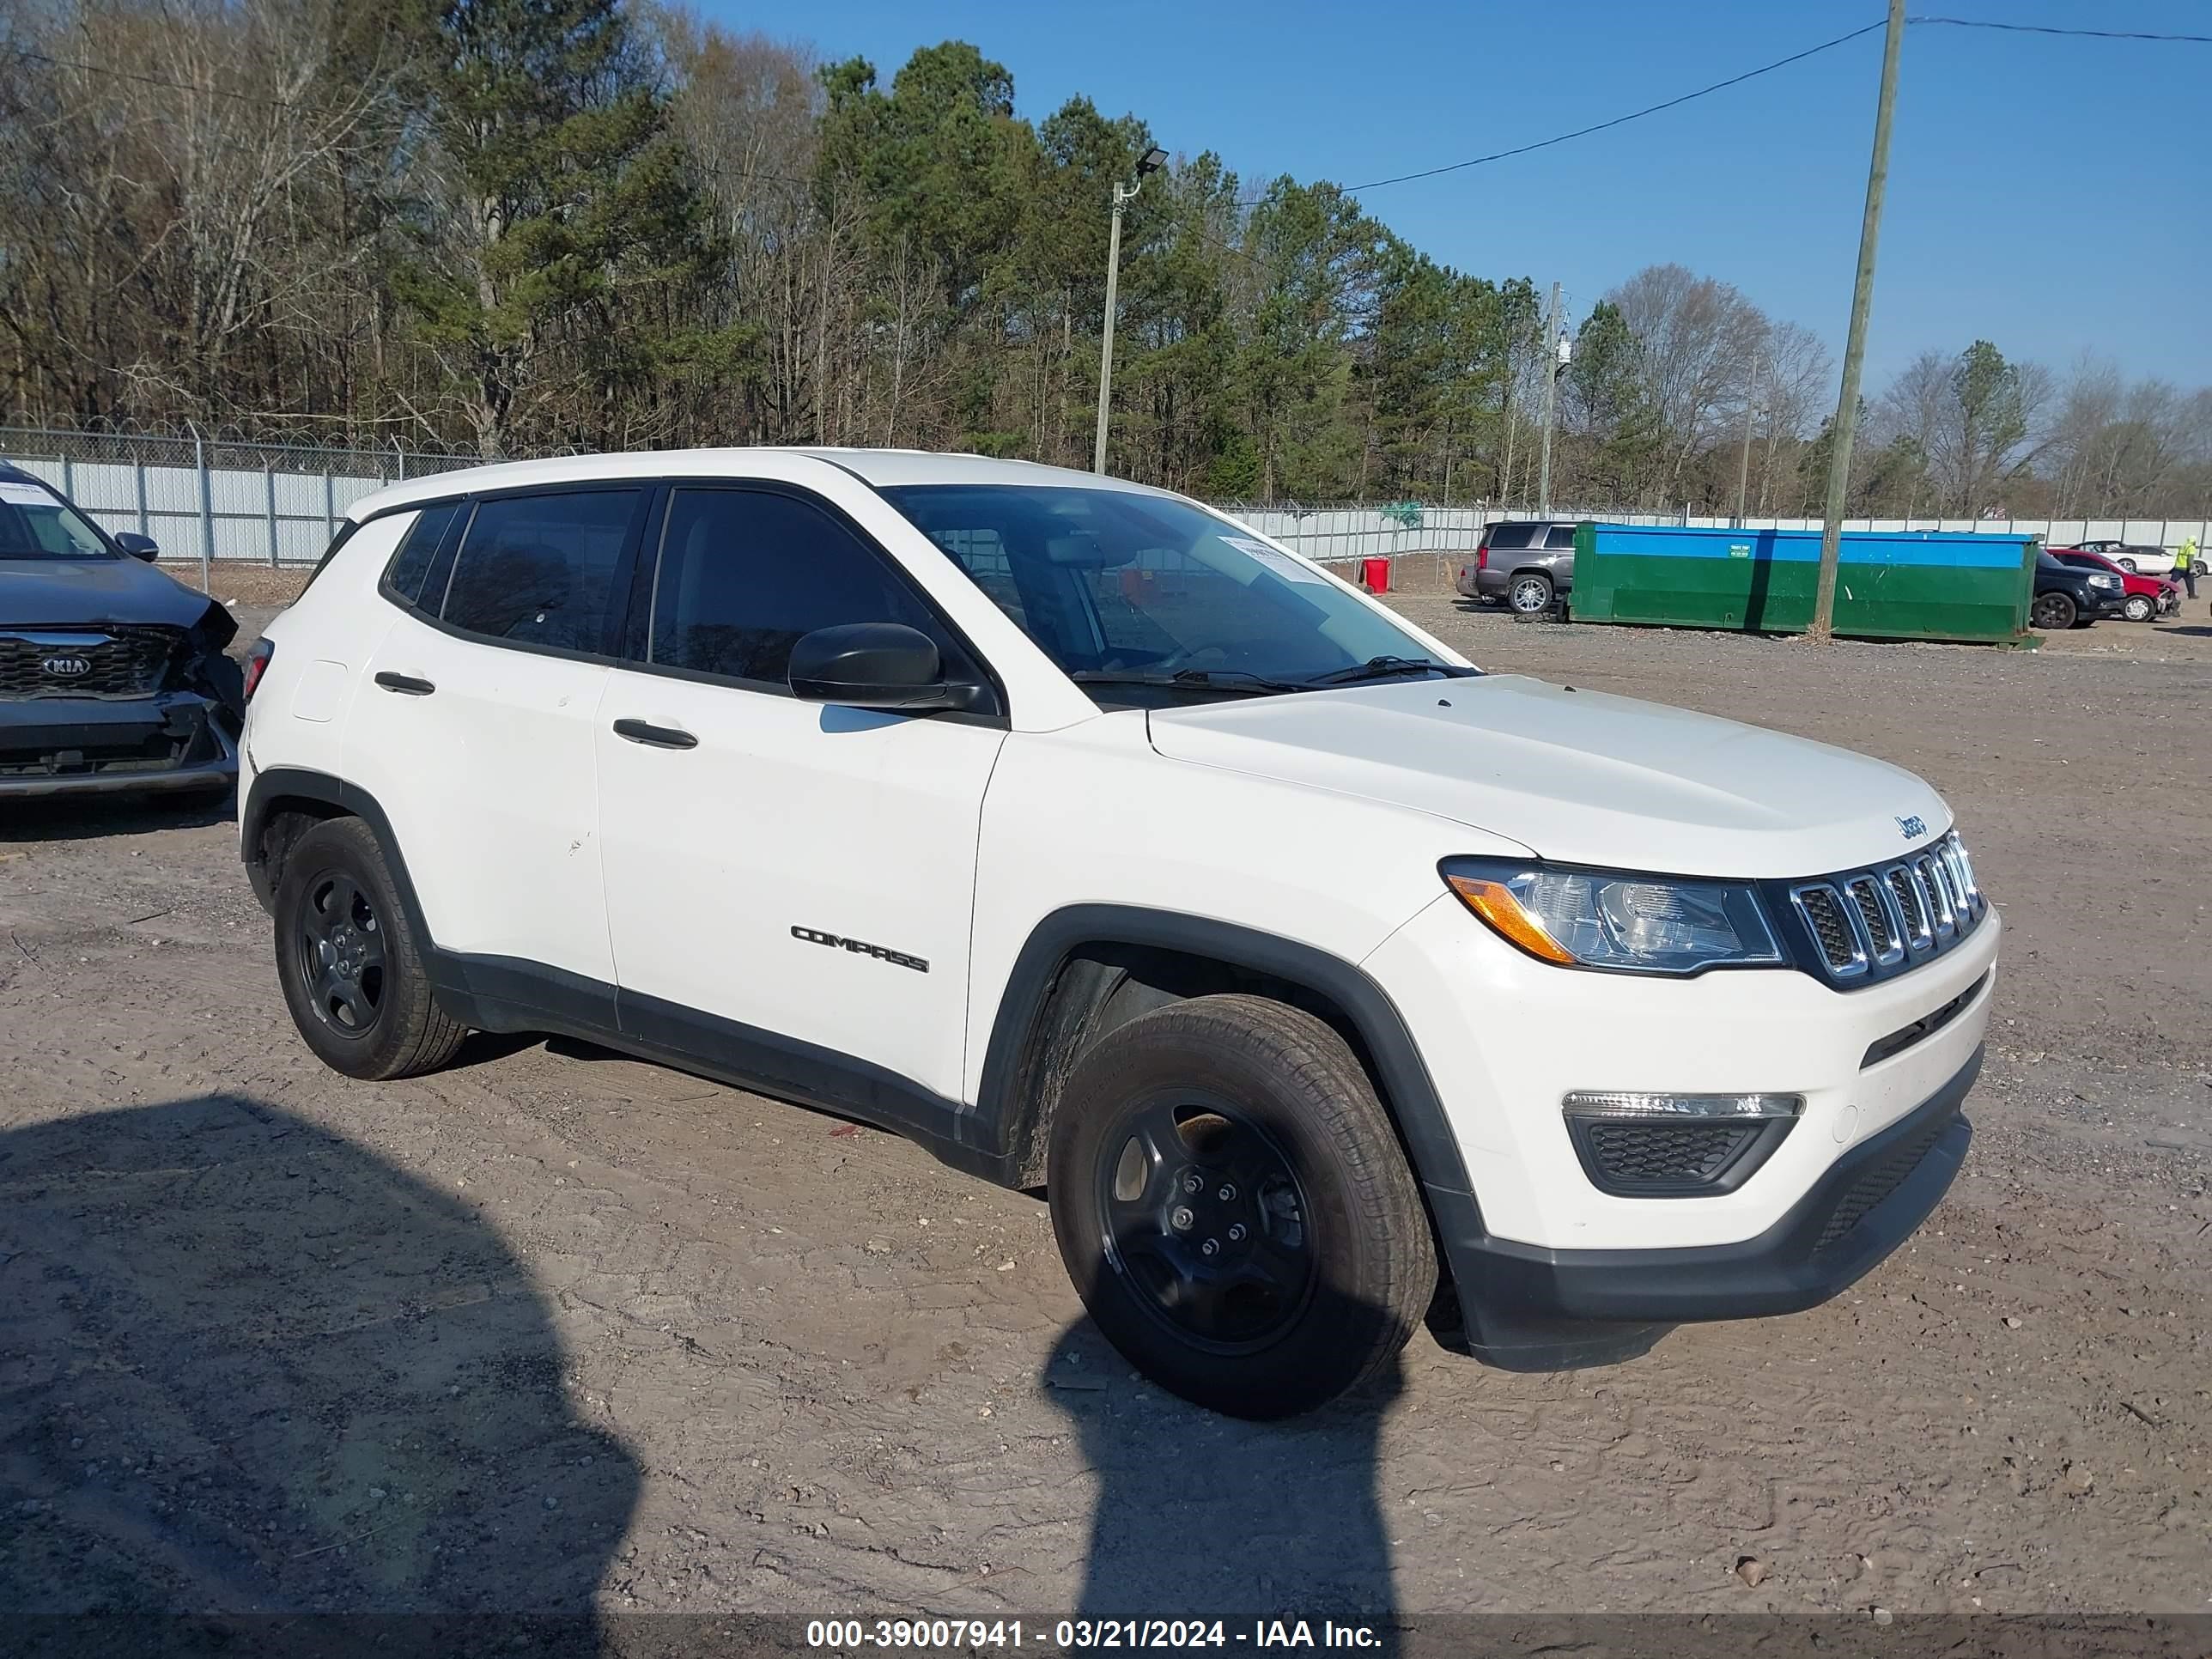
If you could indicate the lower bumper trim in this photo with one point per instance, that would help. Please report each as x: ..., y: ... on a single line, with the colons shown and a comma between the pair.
x: 1868, y: 1203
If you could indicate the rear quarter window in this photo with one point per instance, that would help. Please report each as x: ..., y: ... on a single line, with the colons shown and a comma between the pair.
x: 1510, y: 535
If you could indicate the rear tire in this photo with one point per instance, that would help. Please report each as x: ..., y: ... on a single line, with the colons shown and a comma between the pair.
x: 2052, y: 613
x: 351, y: 967
x: 1530, y: 594
x: 1232, y: 1201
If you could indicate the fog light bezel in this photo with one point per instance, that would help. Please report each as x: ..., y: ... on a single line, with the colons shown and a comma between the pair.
x: 1766, y: 1118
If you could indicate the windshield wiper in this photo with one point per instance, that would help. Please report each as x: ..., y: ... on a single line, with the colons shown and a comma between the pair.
x: 1235, y: 680
x: 1375, y: 668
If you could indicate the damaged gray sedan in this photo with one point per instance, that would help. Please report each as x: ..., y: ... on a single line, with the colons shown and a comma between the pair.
x: 112, y: 674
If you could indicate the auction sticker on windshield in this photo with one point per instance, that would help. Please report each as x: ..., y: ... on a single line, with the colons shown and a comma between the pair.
x: 1281, y: 564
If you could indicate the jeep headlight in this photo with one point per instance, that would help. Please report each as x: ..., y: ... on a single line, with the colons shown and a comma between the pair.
x: 1620, y: 921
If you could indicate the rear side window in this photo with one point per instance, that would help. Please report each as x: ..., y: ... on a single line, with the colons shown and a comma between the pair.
x: 541, y: 569
x: 1561, y: 536
x: 412, y: 561
x: 1510, y: 535
x: 743, y: 573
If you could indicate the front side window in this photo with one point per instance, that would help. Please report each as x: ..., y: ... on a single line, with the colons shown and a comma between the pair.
x: 36, y: 524
x: 540, y: 569
x: 1117, y: 586
x: 743, y: 573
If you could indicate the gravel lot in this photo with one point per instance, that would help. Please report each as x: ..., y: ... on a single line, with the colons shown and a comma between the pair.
x: 556, y: 1329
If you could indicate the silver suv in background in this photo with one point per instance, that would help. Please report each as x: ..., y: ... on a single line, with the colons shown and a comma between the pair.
x: 1525, y: 563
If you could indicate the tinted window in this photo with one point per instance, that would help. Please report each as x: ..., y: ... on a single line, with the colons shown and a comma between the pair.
x: 1561, y: 535
x: 540, y: 569
x: 743, y: 573
x: 413, y: 559
x: 1512, y: 535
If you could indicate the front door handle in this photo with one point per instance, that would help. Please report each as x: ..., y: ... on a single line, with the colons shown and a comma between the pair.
x: 406, y: 684
x: 655, y: 737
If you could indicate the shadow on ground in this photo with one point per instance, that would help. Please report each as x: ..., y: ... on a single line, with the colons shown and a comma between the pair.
x: 1300, y: 1532
x: 247, y: 1367
x: 91, y: 817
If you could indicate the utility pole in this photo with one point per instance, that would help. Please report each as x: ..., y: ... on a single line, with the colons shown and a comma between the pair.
x: 1551, y: 396
x: 1743, y: 468
x: 1847, y: 404
x: 1151, y: 161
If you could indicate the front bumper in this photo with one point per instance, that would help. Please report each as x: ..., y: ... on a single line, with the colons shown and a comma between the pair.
x: 1545, y: 1262
x: 173, y: 742
x: 1869, y: 1201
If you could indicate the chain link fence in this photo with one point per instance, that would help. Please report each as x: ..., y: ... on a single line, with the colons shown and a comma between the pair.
x: 212, y: 497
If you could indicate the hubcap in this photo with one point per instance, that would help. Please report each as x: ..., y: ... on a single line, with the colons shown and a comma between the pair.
x: 341, y: 955
x: 1207, y: 1222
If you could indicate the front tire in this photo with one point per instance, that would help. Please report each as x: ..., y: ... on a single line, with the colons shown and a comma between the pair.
x: 1232, y: 1202
x: 2052, y: 613
x: 2140, y: 607
x: 351, y: 967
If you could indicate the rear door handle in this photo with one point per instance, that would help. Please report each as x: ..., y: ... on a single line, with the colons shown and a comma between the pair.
x: 406, y: 684
x: 655, y: 737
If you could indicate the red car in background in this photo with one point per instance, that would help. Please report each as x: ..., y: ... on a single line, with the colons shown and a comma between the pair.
x: 2148, y: 597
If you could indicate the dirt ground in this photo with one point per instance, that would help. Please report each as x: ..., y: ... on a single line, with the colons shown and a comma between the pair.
x: 555, y: 1330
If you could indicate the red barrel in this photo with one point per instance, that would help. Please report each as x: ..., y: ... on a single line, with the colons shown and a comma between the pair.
x: 1376, y: 575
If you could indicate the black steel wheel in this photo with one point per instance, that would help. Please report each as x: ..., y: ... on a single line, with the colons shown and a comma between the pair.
x: 2052, y: 611
x: 1230, y: 1199
x: 340, y: 948
x: 349, y: 961
x: 1206, y: 1220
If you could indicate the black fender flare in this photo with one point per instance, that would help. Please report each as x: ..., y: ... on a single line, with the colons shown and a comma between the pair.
x: 1409, y: 1092
x: 281, y: 783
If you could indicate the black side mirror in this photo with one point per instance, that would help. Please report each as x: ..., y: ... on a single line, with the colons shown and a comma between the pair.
x: 874, y: 665
x: 138, y: 546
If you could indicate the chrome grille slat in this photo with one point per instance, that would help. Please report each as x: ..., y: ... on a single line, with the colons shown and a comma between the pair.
x: 1911, y: 907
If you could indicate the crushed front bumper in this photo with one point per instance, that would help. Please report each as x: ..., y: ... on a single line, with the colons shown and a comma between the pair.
x: 171, y: 742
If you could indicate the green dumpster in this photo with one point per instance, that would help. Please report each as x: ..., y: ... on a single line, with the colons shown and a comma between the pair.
x: 1906, y: 585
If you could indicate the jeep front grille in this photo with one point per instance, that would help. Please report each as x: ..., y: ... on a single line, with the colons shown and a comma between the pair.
x: 1865, y: 925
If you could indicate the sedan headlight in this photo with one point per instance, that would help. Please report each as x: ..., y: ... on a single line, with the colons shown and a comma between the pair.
x: 1624, y: 921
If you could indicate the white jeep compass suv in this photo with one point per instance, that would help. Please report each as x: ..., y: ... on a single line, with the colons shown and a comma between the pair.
x: 1095, y: 842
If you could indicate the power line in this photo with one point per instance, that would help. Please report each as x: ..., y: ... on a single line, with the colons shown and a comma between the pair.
x: 2046, y: 28
x: 1618, y: 120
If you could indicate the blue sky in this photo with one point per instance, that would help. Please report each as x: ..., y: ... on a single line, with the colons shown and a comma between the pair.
x: 2051, y: 195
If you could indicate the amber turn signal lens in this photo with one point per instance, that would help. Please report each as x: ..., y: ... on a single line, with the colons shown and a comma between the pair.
x: 1494, y: 902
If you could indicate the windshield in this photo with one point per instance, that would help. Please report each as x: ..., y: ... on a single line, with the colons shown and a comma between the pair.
x: 1117, y: 587
x: 35, y: 524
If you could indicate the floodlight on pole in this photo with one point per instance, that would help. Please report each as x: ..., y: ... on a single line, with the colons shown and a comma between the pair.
x: 1153, y: 160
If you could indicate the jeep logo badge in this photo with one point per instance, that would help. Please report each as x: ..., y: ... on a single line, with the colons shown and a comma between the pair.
x: 1912, y: 827
x: 66, y: 668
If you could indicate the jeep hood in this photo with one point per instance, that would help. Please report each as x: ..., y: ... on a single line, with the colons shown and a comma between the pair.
x: 1578, y: 777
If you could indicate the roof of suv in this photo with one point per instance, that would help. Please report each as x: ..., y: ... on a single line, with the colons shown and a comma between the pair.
x: 879, y: 467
